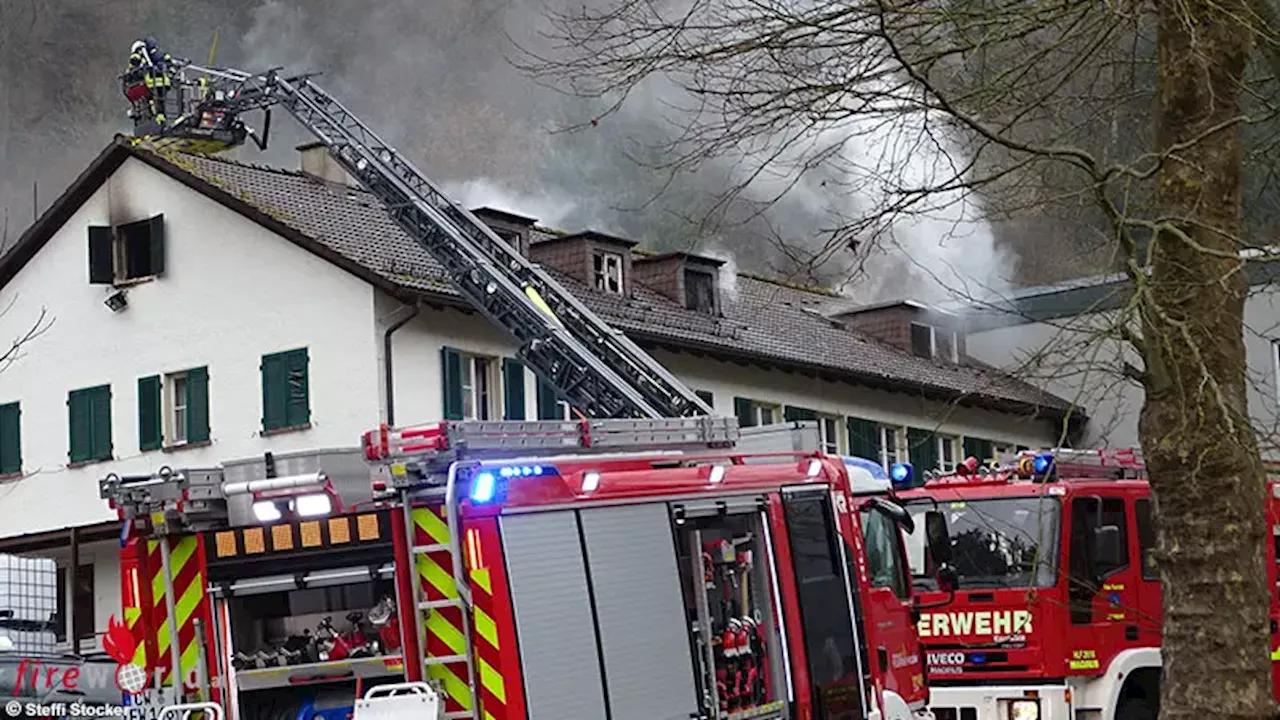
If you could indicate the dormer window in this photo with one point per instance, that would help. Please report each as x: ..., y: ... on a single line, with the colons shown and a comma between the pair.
x: 699, y: 291
x: 930, y: 342
x: 607, y: 272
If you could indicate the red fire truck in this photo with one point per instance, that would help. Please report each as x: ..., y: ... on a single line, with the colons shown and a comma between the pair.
x: 1057, y: 607
x: 649, y: 573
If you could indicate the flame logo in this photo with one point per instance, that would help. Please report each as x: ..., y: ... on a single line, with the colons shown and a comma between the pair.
x: 119, y: 642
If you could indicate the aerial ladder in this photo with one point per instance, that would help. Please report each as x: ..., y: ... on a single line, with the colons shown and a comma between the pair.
x: 629, y: 402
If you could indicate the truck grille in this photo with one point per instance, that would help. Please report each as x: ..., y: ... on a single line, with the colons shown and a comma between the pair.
x: 967, y: 713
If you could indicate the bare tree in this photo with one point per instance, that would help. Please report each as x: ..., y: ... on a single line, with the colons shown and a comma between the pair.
x: 1130, y: 111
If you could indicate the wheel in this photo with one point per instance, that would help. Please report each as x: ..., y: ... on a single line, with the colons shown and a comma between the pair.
x: 1136, y: 709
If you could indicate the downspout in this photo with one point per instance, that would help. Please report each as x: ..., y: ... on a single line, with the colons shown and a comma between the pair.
x: 389, y: 379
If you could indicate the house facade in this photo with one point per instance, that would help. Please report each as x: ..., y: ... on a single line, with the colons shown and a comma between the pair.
x: 202, y: 310
x: 1062, y: 338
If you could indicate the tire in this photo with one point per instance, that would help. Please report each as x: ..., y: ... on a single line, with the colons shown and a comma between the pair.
x: 1136, y: 709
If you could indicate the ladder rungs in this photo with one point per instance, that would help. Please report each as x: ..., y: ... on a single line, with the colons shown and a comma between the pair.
x: 433, y: 604
x: 424, y: 549
x: 445, y: 659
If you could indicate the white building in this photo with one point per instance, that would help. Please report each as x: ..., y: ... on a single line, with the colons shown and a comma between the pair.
x: 204, y: 310
x: 1061, y: 338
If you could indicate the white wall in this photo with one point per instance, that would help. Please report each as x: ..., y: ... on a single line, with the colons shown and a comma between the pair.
x: 1074, y: 359
x: 418, y: 386
x: 230, y: 293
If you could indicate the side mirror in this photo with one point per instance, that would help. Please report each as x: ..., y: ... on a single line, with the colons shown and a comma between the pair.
x: 896, y: 513
x: 1107, y: 549
x: 937, y: 537
x: 946, y: 578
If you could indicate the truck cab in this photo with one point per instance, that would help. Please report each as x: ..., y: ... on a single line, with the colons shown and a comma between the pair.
x: 1056, y: 608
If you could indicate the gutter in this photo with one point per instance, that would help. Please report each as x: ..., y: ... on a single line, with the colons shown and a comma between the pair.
x: 389, y: 379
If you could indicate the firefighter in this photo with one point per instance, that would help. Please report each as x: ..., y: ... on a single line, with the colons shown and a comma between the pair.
x: 143, y: 57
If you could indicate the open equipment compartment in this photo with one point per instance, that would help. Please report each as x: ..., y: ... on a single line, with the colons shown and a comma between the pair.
x: 319, y: 608
x: 730, y: 586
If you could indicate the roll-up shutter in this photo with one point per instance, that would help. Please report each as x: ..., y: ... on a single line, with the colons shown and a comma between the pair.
x: 557, y: 640
x: 641, y: 619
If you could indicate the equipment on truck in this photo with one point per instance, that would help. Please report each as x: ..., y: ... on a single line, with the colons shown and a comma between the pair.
x: 1052, y: 617
x: 517, y: 567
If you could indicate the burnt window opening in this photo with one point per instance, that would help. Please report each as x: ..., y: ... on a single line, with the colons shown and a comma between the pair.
x: 607, y: 272
x: 921, y: 340
x: 945, y: 345
x: 132, y: 251
x: 699, y: 291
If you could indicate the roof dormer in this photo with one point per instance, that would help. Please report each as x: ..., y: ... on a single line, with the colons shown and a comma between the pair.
x: 601, y: 262
x: 515, y: 229
x: 691, y: 280
x: 919, y: 329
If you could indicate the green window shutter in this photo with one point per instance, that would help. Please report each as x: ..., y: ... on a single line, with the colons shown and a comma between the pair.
x: 79, y: 430
x: 275, y: 379
x: 451, y: 379
x: 10, y: 439
x: 707, y: 397
x: 548, y: 402
x: 512, y: 389
x: 746, y: 412
x: 100, y: 400
x: 150, y: 434
x: 792, y: 414
x: 197, y: 404
x: 978, y: 448
x: 864, y: 438
x: 299, y: 399
x: 922, y: 449
x: 101, y: 258
x: 157, y: 244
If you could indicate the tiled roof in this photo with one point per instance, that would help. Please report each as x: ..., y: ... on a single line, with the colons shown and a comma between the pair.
x: 763, y: 321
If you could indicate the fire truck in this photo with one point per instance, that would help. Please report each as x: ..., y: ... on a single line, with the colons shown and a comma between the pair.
x: 1055, y: 607
x: 645, y: 561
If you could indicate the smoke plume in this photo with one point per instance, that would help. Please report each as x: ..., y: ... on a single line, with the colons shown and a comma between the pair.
x: 434, y: 79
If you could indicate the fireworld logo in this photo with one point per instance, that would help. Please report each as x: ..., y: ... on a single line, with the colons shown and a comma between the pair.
x: 35, y: 675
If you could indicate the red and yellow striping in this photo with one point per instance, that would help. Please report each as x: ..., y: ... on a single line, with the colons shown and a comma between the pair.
x: 190, y: 599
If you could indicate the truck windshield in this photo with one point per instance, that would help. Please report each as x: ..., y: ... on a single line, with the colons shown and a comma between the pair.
x: 996, y: 543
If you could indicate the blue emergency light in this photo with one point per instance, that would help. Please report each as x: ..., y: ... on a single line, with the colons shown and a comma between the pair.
x: 900, y: 474
x: 484, y: 486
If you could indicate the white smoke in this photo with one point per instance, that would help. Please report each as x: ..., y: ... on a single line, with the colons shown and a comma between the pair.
x: 551, y: 209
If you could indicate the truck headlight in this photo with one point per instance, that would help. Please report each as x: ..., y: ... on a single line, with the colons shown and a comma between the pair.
x: 1024, y: 710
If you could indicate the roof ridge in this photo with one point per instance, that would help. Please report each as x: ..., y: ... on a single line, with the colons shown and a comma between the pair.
x: 243, y: 164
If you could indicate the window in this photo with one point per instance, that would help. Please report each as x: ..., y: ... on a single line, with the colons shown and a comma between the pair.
x: 945, y: 345
x: 922, y: 340
x: 173, y: 410
x: 699, y: 291
x: 890, y: 445
x: 829, y: 433
x: 1146, y: 538
x: 884, y: 550
x: 89, y: 421
x: 753, y: 413
x: 126, y: 252
x: 10, y: 439
x: 995, y: 543
x: 607, y: 272
x: 864, y: 438
x: 947, y: 452
x: 1086, y: 569
x: 286, y: 392
x: 983, y: 450
x: 82, y: 604
x: 707, y: 397
x: 472, y: 386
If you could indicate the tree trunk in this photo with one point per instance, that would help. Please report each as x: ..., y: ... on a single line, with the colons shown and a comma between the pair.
x: 1206, y: 473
